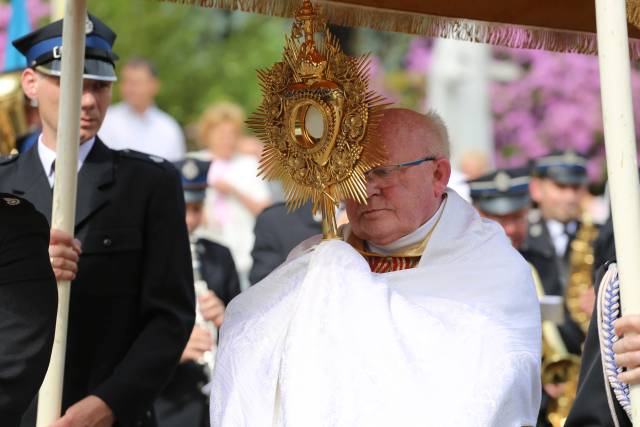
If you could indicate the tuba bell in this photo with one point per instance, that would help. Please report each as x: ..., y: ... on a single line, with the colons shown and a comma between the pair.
x: 13, y: 116
x: 559, y: 367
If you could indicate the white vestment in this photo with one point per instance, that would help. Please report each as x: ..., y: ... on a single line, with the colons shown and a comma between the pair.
x: 322, y: 341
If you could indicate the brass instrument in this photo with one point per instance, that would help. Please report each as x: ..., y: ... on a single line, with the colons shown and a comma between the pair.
x: 208, y: 359
x: 13, y: 117
x: 558, y: 366
x: 581, y: 271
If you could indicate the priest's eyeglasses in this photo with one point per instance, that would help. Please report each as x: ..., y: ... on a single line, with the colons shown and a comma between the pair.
x: 386, y: 172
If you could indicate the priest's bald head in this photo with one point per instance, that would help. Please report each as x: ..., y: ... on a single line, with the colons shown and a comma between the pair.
x: 407, y: 191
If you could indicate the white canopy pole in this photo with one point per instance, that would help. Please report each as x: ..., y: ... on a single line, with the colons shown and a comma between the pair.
x: 622, y: 165
x: 64, y: 195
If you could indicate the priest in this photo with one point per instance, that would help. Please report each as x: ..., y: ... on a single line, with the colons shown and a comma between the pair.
x: 421, y: 313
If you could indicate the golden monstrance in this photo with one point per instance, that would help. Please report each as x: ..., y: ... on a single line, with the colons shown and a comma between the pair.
x: 317, y: 119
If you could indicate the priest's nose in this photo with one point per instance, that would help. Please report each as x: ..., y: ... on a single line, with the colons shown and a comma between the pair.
x: 373, y: 189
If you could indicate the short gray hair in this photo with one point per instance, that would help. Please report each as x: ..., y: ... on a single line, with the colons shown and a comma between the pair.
x: 439, y: 129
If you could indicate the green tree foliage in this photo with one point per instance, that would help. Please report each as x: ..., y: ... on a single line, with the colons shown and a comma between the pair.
x: 202, y: 55
x: 207, y: 55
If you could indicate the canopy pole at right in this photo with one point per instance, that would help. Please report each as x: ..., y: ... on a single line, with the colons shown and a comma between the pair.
x: 622, y: 165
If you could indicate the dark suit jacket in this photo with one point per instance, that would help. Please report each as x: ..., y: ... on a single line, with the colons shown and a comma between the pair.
x: 132, y: 303
x: 538, y: 249
x: 28, y: 302
x: 590, y: 409
x: 605, y: 245
x: 277, y: 232
x: 218, y: 270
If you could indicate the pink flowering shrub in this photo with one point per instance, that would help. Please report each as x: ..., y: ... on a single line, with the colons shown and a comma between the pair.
x: 554, y: 105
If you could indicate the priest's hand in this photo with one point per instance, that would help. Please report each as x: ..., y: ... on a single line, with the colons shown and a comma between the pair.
x: 89, y: 412
x: 627, y: 348
x: 211, y: 308
x: 199, y: 342
x: 64, y: 254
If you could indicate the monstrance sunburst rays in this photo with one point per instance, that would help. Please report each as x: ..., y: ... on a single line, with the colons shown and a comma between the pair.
x: 317, y: 120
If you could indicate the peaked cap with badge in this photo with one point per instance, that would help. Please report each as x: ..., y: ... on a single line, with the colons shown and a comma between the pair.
x: 43, y: 49
x: 563, y: 167
x: 501, y: 192
x: 193, y: 173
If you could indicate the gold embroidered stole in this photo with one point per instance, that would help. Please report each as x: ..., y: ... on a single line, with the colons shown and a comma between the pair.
x: 406, y: 258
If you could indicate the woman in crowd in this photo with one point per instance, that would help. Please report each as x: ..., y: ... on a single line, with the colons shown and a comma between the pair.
x: 236, y: 195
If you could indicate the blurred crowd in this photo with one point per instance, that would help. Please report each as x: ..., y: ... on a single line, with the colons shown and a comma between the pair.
x: 235, y: 193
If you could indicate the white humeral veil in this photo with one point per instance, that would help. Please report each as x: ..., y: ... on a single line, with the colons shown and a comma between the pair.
x: 322, y: 341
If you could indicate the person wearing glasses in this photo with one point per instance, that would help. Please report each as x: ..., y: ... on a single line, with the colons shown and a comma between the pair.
x: 421, y: 314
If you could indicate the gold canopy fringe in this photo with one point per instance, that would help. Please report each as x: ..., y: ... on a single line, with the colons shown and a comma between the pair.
x: 435, y: 26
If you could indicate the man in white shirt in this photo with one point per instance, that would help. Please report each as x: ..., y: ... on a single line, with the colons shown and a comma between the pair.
x: 136, y: 123
x: 422, y: 314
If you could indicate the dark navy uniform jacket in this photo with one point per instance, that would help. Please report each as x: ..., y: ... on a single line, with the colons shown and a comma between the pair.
x: 28, y: 303
x: 277, y: 233
x: 218, y: 270
x: 538, y: 249
x: 132, y: 303
x: 591, y: 408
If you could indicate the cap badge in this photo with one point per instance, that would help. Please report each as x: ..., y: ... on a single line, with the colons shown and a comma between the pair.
x: 190, y: 170
x: 571, y: 158
x: 11, y: 201
x: 502, y: 181
x: 88, y: 26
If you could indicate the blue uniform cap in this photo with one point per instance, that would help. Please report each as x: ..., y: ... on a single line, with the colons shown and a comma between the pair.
x: 43, y: 49
x: 193, y: 173
x: 501, y: 192
x: 564, y: 167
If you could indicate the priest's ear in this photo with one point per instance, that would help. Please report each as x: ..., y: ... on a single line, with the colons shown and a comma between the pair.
x: 441, y: 175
